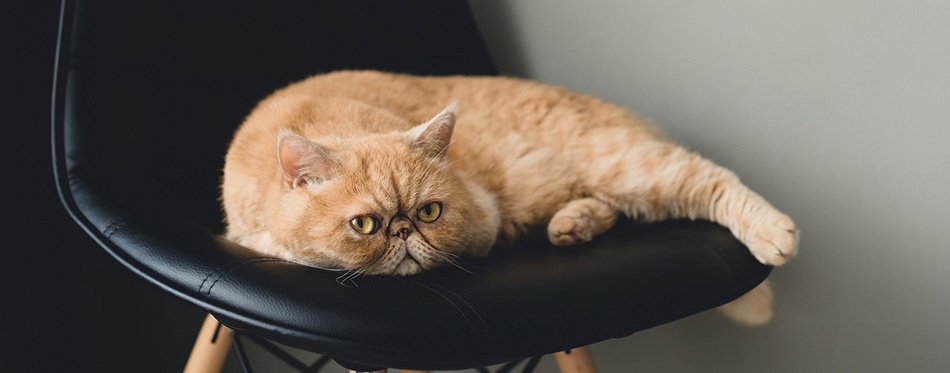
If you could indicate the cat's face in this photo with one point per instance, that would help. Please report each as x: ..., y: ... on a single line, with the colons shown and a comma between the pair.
x: 381, y: 204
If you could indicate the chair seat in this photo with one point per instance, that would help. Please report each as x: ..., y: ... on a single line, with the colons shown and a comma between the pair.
x: 521, y: 301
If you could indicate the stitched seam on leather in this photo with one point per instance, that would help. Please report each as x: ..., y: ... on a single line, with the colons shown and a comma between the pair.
x: 263, y: 260
x: 469, y: 322
x: 113, y: 228
x: 231, y: 267
x: 226, y: 267
x: 477, y: 315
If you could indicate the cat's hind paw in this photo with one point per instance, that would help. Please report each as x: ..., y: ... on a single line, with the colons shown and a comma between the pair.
x: 754, y: 308
x: 566, y: 231
x: 580, y: 220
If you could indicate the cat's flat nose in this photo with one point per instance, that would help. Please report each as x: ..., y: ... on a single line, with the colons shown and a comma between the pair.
x: 400, y: 227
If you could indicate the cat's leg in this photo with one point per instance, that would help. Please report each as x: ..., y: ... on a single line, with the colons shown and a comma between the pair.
x: 580, y: 220
x: 753, y: 308
x: 663, y: 181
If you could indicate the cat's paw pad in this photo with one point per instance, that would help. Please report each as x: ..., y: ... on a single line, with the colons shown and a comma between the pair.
x: 774, y: 242
x: 567, y: 230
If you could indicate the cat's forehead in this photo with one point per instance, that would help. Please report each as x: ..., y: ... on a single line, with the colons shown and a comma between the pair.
x: 361, y: 203
x: 387, y: 185
x: 385, y: 174
x: 382, y: 196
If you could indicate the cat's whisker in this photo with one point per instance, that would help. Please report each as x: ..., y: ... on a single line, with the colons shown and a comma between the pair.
x: 459, y: 266
x: 340, y: 279
x: 325, y: 268
x: 356, y: 275
x: 349, y: 275
x: 431, y: 161
x: 438, y: 156
x: 455, y: 161
x: 452, y: 259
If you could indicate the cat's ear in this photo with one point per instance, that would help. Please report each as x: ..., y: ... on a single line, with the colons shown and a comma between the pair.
x: 435, y: 135
x: 303, y: 161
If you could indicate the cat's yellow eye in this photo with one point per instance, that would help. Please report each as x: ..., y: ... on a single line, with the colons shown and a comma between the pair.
x: 429, y: 213
x: 364, y: 224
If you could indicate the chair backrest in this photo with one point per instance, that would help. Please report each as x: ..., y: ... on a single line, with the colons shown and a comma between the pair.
x: 148, y: 95
x: 159, y: 87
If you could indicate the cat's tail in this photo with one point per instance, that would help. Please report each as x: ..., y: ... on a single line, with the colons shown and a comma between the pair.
x: 754, y: 308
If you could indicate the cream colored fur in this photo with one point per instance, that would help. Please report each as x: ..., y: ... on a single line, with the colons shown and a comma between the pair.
x: 513, y: 159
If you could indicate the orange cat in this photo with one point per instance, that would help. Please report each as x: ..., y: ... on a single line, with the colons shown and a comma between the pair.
x: 336, y: 171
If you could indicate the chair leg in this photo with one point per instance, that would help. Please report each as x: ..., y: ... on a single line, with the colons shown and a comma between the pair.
x: 403, y: 371
x: 577, y: 360
x: 211, y: 348
x: 214, y: 341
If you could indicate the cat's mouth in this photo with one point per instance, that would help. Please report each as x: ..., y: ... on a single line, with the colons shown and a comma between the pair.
x: 408, y: 265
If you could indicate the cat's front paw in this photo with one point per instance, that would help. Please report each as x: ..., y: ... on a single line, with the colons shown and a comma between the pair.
x: 773, y: 241
x: 567, y: 230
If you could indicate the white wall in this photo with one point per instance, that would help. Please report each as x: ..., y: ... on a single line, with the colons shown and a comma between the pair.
x: 836, y: 111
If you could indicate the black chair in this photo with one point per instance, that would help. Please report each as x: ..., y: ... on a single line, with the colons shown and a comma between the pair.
x: 147, y: 97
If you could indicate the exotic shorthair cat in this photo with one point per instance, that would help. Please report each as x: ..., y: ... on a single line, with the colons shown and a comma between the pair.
x: 371, y: 172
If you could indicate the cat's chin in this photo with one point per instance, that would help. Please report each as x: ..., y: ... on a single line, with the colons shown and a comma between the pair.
x: 408, y: 266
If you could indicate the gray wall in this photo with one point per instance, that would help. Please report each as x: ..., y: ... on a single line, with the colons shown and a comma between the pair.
x: 836, y: 111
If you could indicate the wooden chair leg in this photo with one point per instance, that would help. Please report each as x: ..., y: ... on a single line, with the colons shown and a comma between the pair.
x: 214, y: 341
x: 211, y: 348
x: 577, y: 360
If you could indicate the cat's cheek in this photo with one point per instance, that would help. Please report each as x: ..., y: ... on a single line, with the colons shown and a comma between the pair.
x: 361, y: 251
x: 447, y: 235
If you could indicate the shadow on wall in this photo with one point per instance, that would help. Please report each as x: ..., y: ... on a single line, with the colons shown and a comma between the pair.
x: 498, y: 26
